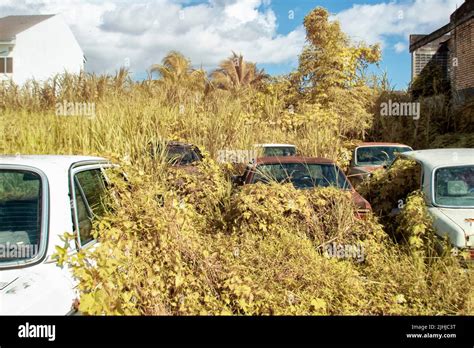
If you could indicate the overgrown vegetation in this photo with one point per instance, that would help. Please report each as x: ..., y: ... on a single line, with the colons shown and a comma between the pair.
x: 264, y: 255
x: 445, y: 120
x: 388, y: 190
x: 181, y: 242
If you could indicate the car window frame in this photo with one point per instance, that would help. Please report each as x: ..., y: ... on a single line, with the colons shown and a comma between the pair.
x: 348, y: 187
x: 432, y: 186
x: 73, y: 171
x: 45, y: 219
x: 356, y: 163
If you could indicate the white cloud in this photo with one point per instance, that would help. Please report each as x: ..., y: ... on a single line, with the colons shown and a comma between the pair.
x: 244, y: 10
x: 144, y: 31
x: 399, y: 47
x: 376, y: 23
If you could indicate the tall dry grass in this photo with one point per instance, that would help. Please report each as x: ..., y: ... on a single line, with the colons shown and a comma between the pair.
x: 180, y: 257
x: 129, y: 115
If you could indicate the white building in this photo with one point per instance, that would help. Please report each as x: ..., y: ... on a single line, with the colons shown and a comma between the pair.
x: 37, y: 47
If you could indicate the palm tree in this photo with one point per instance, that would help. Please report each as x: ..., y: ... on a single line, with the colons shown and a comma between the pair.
x: 234, y: 74
x: 176, y: 69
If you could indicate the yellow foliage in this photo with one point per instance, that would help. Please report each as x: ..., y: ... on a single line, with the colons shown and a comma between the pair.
x: 263, y: 256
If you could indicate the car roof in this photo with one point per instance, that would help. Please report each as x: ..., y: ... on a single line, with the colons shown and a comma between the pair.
x: 47, y: 161
x: 293, y: 159
x: 274, y: 145
x: 441, y: 157
x: 381, y: 144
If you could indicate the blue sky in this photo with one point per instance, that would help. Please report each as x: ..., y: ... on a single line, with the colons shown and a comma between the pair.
x: 139, y: 33
x: 396, y: 64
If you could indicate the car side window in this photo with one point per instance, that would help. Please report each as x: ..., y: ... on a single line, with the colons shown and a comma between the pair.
x: 84, y: 218
x: 90, y: 193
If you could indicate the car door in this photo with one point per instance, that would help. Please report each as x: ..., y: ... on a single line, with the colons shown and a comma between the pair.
x: 87, y: 186
x: 89, y: 199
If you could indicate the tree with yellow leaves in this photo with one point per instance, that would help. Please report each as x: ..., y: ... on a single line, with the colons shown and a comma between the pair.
x: 330, y: 60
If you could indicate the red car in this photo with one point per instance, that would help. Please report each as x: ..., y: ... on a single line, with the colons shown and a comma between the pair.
x: 303, y: 173
x: 368, y: 157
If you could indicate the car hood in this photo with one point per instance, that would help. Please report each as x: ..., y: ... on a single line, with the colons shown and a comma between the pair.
x: 35, y: 290
x: 359, y: 201
x: 463, y: 218
x: 7, y: 278
x: 17, y: 287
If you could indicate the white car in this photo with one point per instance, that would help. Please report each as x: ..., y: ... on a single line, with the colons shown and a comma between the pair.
x: 41, y: 198
x: 448, y: 185
x: 368, y: 157
x: 269, y: 150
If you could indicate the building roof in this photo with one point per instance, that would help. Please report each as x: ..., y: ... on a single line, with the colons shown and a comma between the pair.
x: 10, y: 26
x: 462, y: 14
x: 433, y: 158
x: 442, y: 34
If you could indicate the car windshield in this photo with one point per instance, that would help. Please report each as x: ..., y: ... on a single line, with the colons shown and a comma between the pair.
x: 454, y: 186
x: 20, y: 215
x: 269, y: 151
x: 302, y: 175
x: 181, y: 155
x: 378, y: 155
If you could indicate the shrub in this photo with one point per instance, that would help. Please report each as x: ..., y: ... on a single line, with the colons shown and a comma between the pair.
x: 387, y: 190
